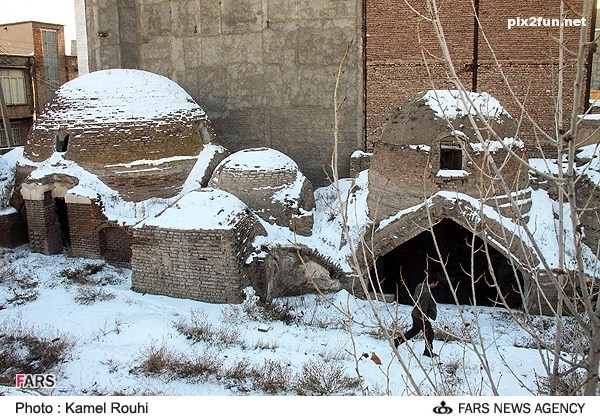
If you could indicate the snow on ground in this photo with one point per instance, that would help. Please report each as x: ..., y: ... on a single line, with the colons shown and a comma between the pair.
x: 111, y: 338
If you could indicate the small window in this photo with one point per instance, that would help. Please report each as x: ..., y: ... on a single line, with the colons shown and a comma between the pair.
x: 13, y: 86
x: 450, y: 156
x: 62, y: 142
x: 16, y: 135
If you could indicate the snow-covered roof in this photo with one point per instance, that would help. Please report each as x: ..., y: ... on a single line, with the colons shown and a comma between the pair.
x: 113, y: 205
x: 449, y: 104
x: 204, y: 209
x: 435, y: 114
x: 257, y: 159
x: 120, y: 95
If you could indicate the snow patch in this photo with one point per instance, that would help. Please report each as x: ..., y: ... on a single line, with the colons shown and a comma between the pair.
x: 495, y: 146
x: 119, y: 95
x: 219, y: 210
x: 257, y: 159
x: 452, y: 173
x: 449, y: 104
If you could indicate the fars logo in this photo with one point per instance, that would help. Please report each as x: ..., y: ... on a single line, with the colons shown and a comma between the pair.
x: 35, y: 381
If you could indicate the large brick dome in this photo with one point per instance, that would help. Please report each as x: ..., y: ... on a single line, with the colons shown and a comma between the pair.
x: 138, y: 132
x: 430, y: 145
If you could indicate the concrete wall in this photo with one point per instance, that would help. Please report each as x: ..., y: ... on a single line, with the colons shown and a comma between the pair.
x: 262, y: 69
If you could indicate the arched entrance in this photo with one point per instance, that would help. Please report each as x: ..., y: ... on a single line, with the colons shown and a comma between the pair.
x: 402, y: 268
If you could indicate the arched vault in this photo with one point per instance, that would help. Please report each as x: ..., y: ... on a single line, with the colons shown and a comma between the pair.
x: 460, y: 224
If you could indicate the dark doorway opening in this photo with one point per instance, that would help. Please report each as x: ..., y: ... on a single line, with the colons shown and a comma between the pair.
x: 62, y: 143
x: 401, y: 269
x: 63, y: 220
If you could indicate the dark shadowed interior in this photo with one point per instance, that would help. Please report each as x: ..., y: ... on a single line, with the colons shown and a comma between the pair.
x: 400, y: 270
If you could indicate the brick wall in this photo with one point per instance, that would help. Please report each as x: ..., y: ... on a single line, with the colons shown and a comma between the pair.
x: 115, y: 243
x: 203, y: 265
x: 256, y: 189
x: 72, y: 67
x: 396, y: 70
x: 99, y: 149
x: 38, y: 69
x: 358, y: 162
x: 13, y: 230
x: 393, y: 186
x: 84, y: 224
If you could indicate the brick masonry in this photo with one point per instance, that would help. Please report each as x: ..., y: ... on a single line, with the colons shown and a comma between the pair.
x: 206, y: 265
x: 256, y: 189
x: 93, y: 236
x: 100, y: 149
x: 43, y: 225
x: 398, y: 40
x: 13, y: 230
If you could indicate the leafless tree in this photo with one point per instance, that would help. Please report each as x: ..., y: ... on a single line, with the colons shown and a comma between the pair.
x: 576, y: 310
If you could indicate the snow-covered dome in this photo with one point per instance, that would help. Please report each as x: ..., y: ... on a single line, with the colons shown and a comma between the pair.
x: 138, y: 132
x: 117, y: 96
x: 433, y: 114
x: 220, y: 210
x: 269, y: 182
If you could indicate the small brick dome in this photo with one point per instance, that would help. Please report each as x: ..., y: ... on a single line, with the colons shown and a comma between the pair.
x: 137, y: 131
x: 433, y: 114
x: 269, y: 182
x: 430, y: 145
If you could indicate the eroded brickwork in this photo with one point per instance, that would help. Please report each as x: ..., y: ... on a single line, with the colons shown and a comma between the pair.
x: 107, y: 149
x: 43, y: 225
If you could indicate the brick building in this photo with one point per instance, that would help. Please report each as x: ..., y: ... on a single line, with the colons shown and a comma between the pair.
x: 271, y: 184
x: 33, y: 64
x: 128, y: 134
x: 185, y: 254
x: 447, y: 183
x: 17, y: 87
